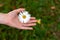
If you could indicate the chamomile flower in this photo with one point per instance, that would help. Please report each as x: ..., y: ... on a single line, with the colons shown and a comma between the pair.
x: 24, y: 17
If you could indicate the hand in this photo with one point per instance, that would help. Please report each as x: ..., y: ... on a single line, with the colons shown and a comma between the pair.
x: 11, y: 19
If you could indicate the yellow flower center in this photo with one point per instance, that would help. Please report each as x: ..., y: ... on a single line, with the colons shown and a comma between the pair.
x: 24, y: 16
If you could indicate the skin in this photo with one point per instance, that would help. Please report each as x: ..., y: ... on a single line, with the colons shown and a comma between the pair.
x: 11, y: 19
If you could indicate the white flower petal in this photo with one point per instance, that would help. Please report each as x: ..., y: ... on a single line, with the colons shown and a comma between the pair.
x: 26, y: 20
x: 20, y: 13
x: 25, y: 12
x: 20, y: 19
x: 28, y: 15
x: 19, y: 16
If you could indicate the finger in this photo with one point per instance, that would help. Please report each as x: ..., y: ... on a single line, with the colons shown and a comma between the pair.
x: 32, y: 18
x: 15, y: 12
x: 18, y: 10
x: 26, y: 28
x: 31, y: 24
x: 32, y: 21
x: 21, y: 27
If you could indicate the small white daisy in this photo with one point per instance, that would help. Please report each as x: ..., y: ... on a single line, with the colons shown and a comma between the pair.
x: 24, y: 17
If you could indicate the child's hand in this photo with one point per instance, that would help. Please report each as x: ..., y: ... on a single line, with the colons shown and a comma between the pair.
x: 11, y: 19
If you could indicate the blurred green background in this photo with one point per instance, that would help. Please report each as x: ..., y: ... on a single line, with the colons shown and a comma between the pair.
x: 46, y: 10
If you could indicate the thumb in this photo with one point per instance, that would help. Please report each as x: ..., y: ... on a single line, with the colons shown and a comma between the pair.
x: 16, y: 11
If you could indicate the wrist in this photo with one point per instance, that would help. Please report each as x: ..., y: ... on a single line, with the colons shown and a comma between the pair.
x: 3, y: 18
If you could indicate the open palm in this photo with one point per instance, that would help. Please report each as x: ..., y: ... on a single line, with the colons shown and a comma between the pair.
x: 13, y: 20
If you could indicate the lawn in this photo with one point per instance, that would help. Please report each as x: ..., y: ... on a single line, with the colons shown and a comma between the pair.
x: 46, y: 10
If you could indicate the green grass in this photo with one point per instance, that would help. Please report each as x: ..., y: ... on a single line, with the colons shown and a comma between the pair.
x: 49, y: 29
